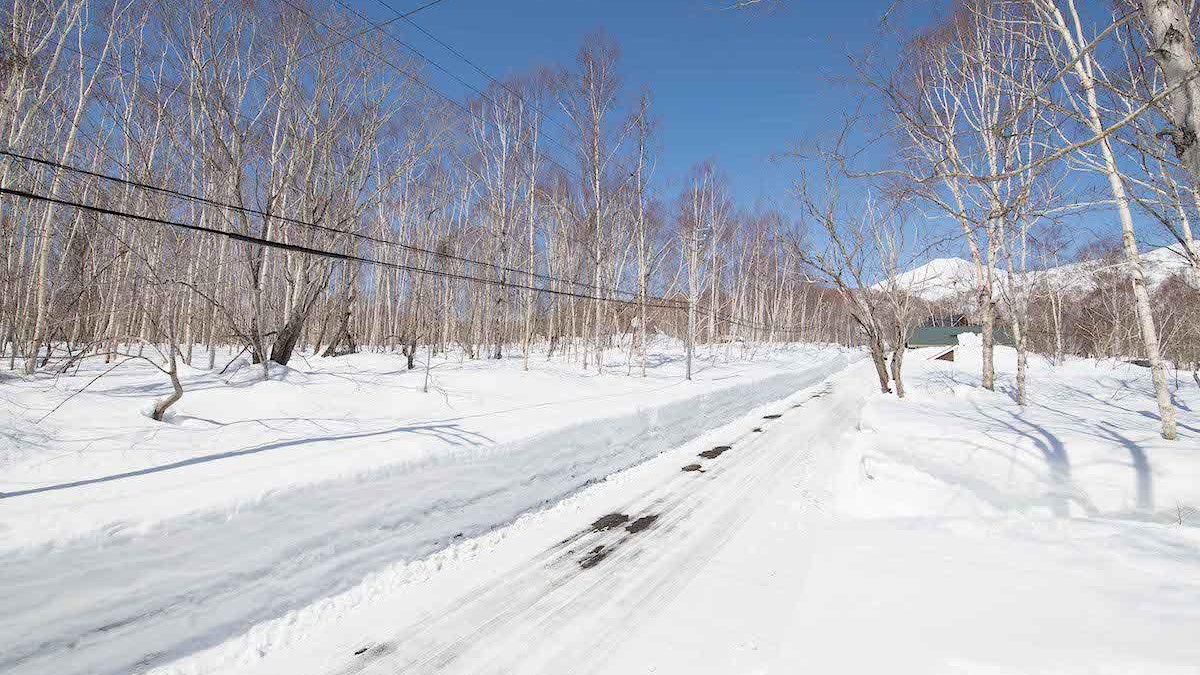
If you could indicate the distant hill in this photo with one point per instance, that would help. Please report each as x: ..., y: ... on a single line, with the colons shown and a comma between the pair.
x: 943, y: 279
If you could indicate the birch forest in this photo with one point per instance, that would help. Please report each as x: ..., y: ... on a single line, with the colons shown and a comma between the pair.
x: 281, y: 176
x: 193, y: 181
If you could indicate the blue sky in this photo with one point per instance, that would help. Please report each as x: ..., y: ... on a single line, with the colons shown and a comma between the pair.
x: 735, y: 86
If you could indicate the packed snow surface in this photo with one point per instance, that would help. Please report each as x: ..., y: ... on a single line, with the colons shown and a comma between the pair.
x: 810, y: 525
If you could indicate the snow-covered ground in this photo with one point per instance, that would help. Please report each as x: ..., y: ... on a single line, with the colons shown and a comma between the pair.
x: 971, y: 536
x: 698, y: 572
x: 951, y: 532
x: 842, y: 531
x: 127, y: 543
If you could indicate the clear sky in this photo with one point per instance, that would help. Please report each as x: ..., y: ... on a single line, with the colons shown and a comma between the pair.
x: 734, y: 86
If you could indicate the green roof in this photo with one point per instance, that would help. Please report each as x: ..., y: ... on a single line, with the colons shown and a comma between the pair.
x: 947, y: 336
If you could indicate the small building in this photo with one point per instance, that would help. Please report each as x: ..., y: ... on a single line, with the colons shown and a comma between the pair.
x: 946, y: 338
x: 949, y: 320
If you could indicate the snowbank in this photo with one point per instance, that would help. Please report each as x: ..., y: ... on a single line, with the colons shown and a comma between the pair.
x: 969, y: 339
x: 98, y: 467
x: 974, y: 536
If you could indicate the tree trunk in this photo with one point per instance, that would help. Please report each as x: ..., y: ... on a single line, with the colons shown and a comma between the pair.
x: 988, y: 333
x: 409, y: 349
x: 875, y: 345
x: 1141, y: 295
x: 1022, y: 361
x: 1173, y: 47
x: 160, y: 408
x: 1083, y: 66
x: 285, y: 340
x: 897, y: 367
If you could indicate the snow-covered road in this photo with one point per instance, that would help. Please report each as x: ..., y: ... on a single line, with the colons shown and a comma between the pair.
x: 692, y: 572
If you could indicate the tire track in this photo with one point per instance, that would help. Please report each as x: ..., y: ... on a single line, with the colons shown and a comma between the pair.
x: 598, y: 570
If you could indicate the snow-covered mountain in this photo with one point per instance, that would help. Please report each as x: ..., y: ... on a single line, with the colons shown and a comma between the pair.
x: 1160, y: 264
x: 948, y: 278
x: 941, y: 279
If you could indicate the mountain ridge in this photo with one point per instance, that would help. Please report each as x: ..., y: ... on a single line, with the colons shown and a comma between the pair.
x: 947, y: 278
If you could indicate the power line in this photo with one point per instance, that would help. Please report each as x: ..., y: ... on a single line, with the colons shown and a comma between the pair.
x: 381, y: 27
x: 416, y: 79
x: 651, y: 301
x: 151, y: 187
x: 399, y: 16
x: 266, y: 215
x: 422, y: 8
x: 479, y: 69
x: 251, y: 239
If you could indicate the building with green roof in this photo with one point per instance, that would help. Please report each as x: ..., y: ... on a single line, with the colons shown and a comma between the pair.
x: 947, y: 336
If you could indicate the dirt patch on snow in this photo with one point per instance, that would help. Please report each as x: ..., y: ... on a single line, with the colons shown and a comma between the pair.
x: 609, y: 522
x: 594, y: 557
x: 641, y: 523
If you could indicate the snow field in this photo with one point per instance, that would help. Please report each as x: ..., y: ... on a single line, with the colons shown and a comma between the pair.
x: 972, y: 536
x: 951, y: 532
x: 148, y: 568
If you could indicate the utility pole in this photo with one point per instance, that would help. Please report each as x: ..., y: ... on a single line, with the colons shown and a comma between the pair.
x: 694, y: 245
x: 691, y: 317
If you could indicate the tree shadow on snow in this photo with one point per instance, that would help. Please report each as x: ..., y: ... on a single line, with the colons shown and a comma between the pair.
x: 1155, y: 416
x: 1150, y: 414
x: 1107, y: 431
x: 1062, y: 490
x: 1054, y: 451
x: 1178, y: 402
x: 451, y: 433
x: 1141, y: 465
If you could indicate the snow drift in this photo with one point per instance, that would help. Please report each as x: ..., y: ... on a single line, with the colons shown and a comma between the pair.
x: 975, y: 536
